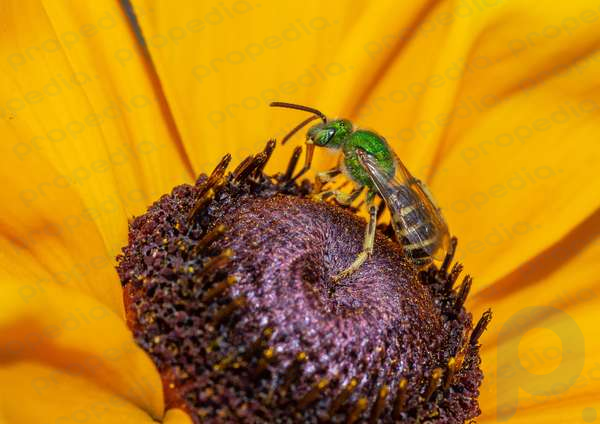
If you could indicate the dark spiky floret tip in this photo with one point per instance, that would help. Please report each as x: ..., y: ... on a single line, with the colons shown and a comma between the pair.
x: 227, y: 286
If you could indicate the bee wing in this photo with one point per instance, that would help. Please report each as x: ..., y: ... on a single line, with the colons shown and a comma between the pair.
x: 410, y: 204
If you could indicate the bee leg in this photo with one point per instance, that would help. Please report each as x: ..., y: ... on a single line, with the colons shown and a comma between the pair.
x: 344, y: 199
x: 367, y: 243
x: 325, y: 177
x: 324, y: 195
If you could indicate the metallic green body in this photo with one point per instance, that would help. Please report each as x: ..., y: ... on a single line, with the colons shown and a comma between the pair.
x: 370, y: 163
x: 373, y: 144
x: 339, y: 134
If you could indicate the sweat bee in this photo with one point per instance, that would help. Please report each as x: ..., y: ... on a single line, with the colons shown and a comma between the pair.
x: 369, y: 162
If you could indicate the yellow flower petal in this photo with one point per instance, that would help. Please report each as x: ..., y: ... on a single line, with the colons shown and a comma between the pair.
x: 74, y: 334
x: 70, y: 399
x: 581, y: 409
x: 76, y: 92
x: 200, y: 57
x: 557, y: 341
x: 221, y: 64
x: 513, y: 200
x: 548, y: 372
x: 176, y: 416
x: 460, y: 57
x: 54, y: 241
x: 476, y: 104
x: 572, y: 257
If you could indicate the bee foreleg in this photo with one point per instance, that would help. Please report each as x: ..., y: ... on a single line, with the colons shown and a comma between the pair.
x: 368, y: 242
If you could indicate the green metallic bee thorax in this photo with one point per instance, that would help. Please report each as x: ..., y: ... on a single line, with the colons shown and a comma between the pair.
x: 376, y: 146
x: 339, y: 134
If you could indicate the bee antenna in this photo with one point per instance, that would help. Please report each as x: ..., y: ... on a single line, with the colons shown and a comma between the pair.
x: 298, y: 128
x: 300, y: 107
x: 316, y: 114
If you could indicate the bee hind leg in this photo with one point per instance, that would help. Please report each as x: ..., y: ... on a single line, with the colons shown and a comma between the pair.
x: 367, y: 243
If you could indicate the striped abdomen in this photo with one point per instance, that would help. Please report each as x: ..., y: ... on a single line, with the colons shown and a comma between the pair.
x: 413, y: 226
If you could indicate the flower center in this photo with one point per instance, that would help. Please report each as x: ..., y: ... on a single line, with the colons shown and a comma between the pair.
x: 228, y: 287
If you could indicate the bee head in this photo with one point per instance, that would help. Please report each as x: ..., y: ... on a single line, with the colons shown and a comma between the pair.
x: 326, y: 134
x: 329, y: 134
